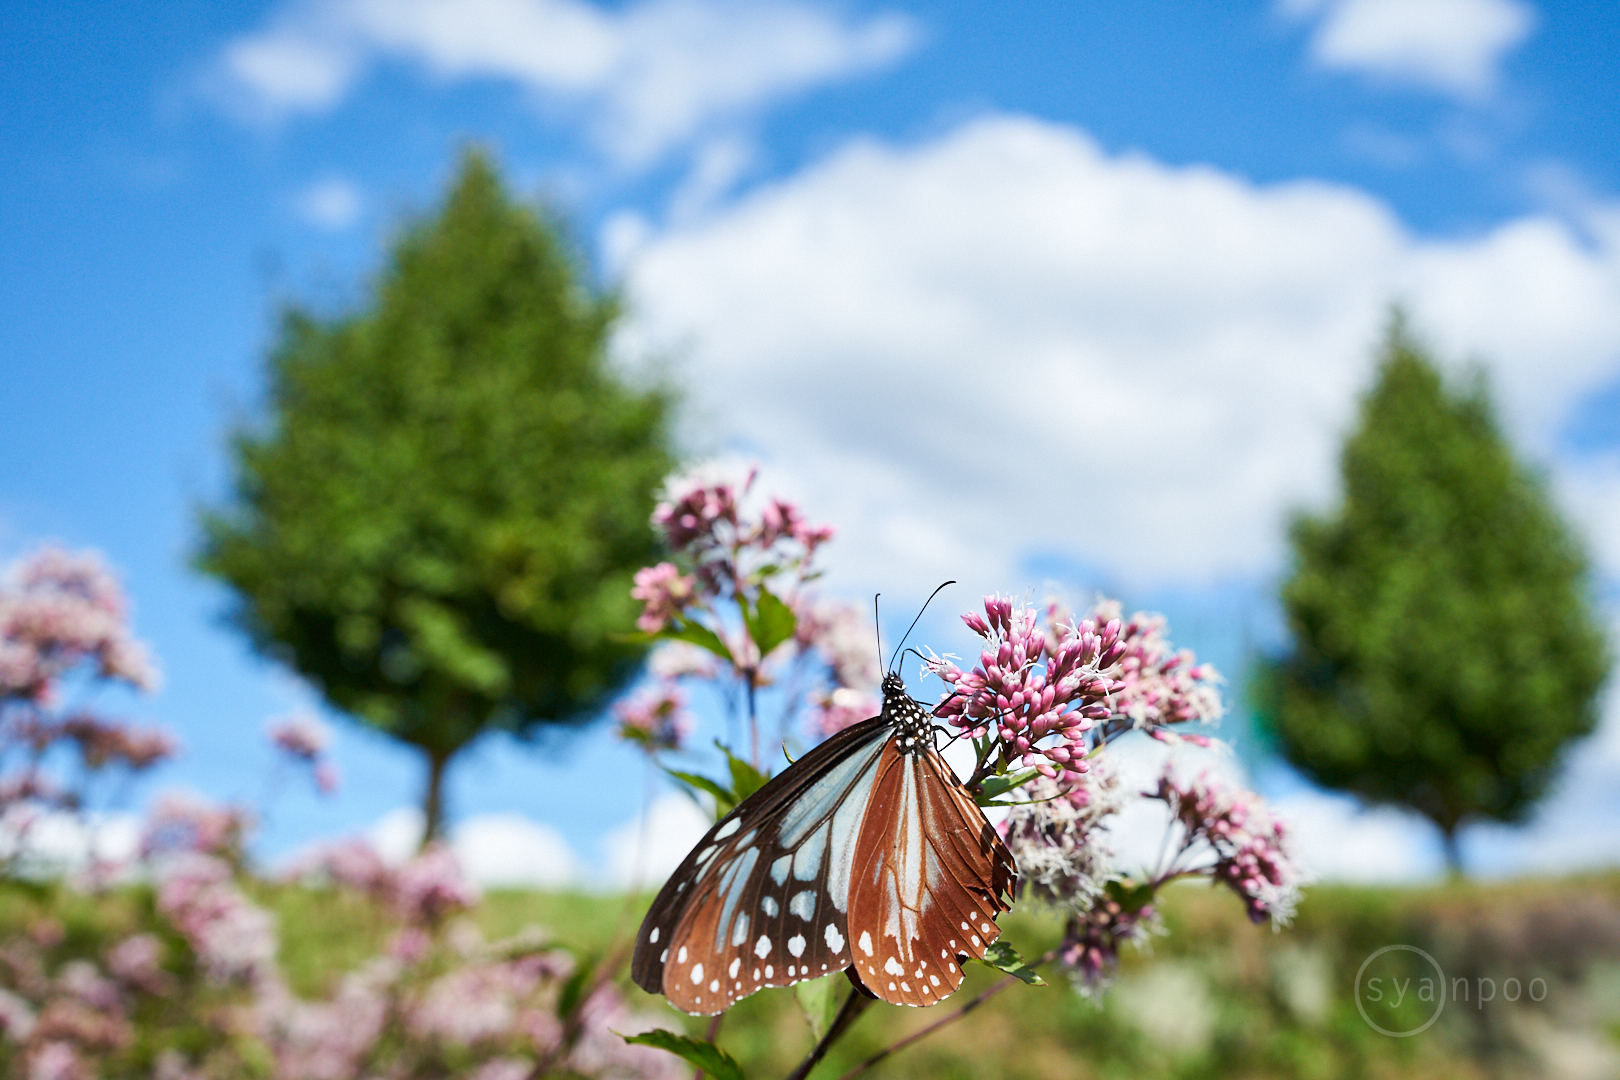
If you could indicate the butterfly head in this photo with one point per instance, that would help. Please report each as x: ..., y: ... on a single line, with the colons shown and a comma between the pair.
x: 914, y: 730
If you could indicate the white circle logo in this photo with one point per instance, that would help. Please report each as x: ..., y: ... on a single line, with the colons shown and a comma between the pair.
x: 1377, y: 991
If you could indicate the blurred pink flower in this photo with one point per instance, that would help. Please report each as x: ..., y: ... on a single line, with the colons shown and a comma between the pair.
x: 180, y: 822
x: 654, y: 718
x: 835, y: 710
x: 664, y: 593
x: 327, y: 778
x: 103, y: 742
x: 1092, y: 940
x: 59, y: 610
x: 233, y: 939
x: 842, y: 633
x: 16, y: 1017
x: 352, y: 864
x: 57, y: 1061
x: 138, y: 962
x: 300, y: 735
x: 431, y: 886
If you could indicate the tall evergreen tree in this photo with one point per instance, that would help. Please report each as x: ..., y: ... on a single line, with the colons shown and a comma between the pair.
x: 1444, y: 646
x: 439, y: 522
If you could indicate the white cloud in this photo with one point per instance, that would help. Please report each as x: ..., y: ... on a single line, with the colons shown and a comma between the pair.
x: 644, y: 851
x: 1455, y: 46
x: 330, y: 203
x: 1007, y: 342
x: 1340, y: 840
x: 509, y: 849
x: 645, y: 76
x: 56, y: 842
x: 494, y: 849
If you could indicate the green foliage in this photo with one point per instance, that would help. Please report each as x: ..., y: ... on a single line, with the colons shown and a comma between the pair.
x: 745, y: 780
x: 440, y: 522
x: 1003, y: 957
x: 819, y: 1000
x: 709, y: 1058
x: 1444, y: 647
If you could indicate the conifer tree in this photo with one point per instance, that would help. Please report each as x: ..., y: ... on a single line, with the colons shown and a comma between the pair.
x: 439, y: 520
x: 1445, y: 650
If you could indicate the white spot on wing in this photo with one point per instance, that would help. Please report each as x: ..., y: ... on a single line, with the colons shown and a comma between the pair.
x: 727, y: 829
x: 892, y: 966
x: 866, y: 943
x: 653, y: 937
x: 803, y: 904
x: 769, y: 904
x: 697, y: 973
x: 762, y: 947
x: 680, y: 957
x: 736, y: 962
x: 835, y: 940
x: 779, y: 869
x: 796, y: 944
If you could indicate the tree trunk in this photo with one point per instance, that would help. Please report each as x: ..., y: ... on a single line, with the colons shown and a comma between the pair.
x: 1454, y: 865
x: 433, y: 798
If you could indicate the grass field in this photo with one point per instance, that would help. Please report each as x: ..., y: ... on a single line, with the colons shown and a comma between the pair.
x: 1213, y: 997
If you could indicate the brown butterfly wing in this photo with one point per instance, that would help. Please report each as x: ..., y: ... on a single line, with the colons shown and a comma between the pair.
x: 930, y: 879
x: 761, y: 900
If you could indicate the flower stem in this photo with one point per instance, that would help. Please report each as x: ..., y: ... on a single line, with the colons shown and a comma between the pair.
x: 852, y: 1008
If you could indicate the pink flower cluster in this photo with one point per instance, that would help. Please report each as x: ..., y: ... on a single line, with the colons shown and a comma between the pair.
x: 233, y: 939
x: 705, y: 522
x: 1054, y: 836
x: 439, y: 1002
x: 1041, y: 693
x: 423, y: 892
x: 664, y: 593
x: 1253, y: 854
x: 655, y: 718
x: 59, y: 611
x: 179, y: 823
x: 730, y: 553
x: 1092, y: 940
x: 1162, y: 685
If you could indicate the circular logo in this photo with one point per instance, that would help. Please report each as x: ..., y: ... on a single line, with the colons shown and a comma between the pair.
x: 1399, y: 991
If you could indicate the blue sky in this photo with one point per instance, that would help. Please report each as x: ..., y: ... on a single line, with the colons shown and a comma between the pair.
x: 1080, y: 293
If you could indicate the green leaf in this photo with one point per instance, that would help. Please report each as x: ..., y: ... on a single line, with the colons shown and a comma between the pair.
x: 1000, y: 785
x: 819, y: 1000
x: 1003, y: 957
x: 770, y: 622
x: 705, y: 1055
x: 1130, y: 896
x: 573, y: 990
x: 699, y: 635
x: 724, y: 800
x: 745, y: 779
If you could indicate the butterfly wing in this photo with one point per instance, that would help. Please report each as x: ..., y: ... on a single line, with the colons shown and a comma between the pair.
x: 762, y: 899
x: 930, y: 880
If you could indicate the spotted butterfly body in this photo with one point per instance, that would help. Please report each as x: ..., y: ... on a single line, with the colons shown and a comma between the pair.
x: 866, y: 852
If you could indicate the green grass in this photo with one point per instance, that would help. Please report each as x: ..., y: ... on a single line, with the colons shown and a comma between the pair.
x: 1213, y: 997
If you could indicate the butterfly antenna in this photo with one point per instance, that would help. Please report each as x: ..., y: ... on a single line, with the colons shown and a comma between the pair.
x: 877, y: 626
x: 914, y: 623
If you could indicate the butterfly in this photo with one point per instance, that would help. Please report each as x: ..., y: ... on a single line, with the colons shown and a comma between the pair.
x: 867, y: 854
